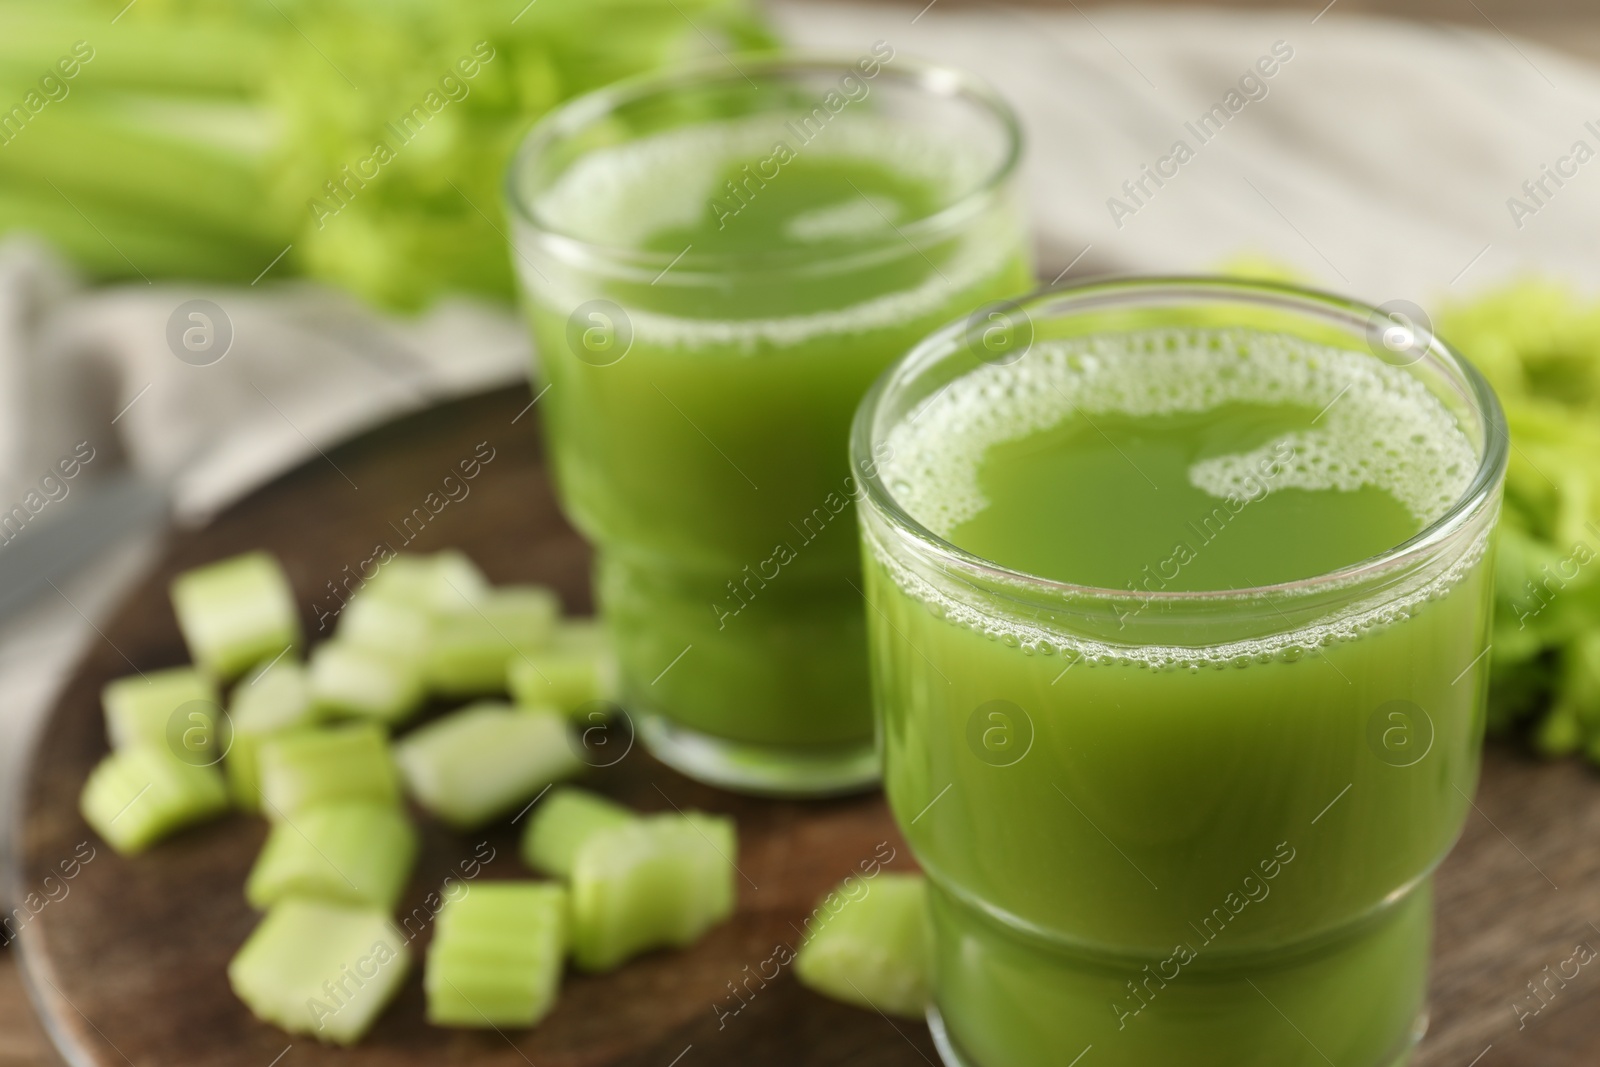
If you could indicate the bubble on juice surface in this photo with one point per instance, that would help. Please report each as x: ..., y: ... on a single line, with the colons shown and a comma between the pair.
x: 1376, y: 425
x: 618, y: 197
x: 1392, y: 604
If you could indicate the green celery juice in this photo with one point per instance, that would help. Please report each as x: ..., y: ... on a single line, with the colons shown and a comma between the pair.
x: 1180, y: 831
x: 700, y: 393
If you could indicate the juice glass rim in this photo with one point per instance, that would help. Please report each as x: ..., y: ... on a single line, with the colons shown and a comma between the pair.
x: 1102, y: 294
x: 935, y: 79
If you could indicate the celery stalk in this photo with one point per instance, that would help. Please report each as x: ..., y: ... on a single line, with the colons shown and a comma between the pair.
x: 140, y: 709
x: 314, y: 87
x: 661, y: 881
x: 137, y: 796
x: 302, y: 769
x: 236, y: 613
x: 214, y: 56
x: 270, y: 700
x: 158, y: 163
x: 386, y: 623
x: 474, y: 644
x: 483, y: 761
x: 497, y: 955
x: 348, y: 680
x: 105, y: 241
x: 441, y: 581
x: 871, y: 948
x: 321, y: 968
x: 358, y: 853
x: 575, y: 669
x: 564, y: 821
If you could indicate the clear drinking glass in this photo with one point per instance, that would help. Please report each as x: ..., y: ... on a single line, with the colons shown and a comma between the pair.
x: 1178, y: 826
x: 716, y: 263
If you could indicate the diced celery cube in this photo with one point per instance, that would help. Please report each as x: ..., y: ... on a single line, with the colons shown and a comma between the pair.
x: 484, y: 760
x: 386, y: 623
x: 661, y: 881
x: 357, y: 853
x: 564, y: 820
x: 268, y: 701
x: 441, y: 581
x: 872, y: 950
x: 574, y: 669
x: 347, y: 680
x: 497, y: 955
x: 301, y: 769
x: 321, y: 968
x: 140, y: 708
x: 473, y: 644
x: 138, y: 795
x: 236, y: 613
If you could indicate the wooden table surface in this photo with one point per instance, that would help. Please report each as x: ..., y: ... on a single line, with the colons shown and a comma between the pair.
x: 129, y: 966
x: 1503, y: 919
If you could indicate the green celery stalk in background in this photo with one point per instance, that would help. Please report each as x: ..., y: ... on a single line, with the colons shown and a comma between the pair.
x: 199, y: 138
x: 1538, y: 343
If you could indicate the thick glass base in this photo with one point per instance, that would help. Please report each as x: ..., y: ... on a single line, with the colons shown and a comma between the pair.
x: 950, y: 1056
x: 761, y: 770
x: 1005, y: 999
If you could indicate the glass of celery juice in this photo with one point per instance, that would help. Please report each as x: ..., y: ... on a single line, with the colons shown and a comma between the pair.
x: 1179, y: 612
x: 717, y: 263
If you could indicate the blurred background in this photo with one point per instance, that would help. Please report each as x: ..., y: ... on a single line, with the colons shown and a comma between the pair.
x: 234, y: 234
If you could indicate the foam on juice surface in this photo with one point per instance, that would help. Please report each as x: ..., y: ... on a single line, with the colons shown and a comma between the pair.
x: 1380, y: 426
x: 622, y: 196
x: 626, y: 196
x: 1377, y: 426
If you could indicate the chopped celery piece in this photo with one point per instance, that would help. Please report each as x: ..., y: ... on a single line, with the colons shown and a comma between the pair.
x: 358, y: 853
x: 236, y: 613
x: 301, y: 769
x: 386, y: 623
x: 319, y: 967
x: 136, y: 796
x: 484, y: 760
x: 573, y: 670
x: 139, y: 709
x: 563, y: 822
x: 872, y: 950
x: 661, y: 881
x: 347, y: 680
x: 443, y: 581
x: 497, y: 954
x: 268, y: 701
x: 473, y: 644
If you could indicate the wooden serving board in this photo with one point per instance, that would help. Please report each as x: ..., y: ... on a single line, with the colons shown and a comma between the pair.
x: 127, y: 969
